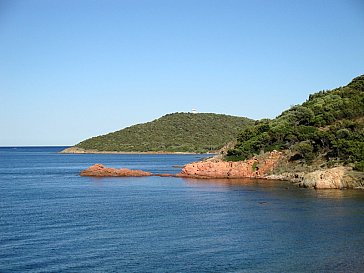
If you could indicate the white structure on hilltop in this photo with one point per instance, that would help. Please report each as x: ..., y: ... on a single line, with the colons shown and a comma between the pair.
x: 194, y: 111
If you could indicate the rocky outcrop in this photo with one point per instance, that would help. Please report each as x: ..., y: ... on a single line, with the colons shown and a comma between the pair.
x: 255, y: 167
x: 74, y: 150
x: 333, y: 178
x: 325, y: 179
x: 100, y: 170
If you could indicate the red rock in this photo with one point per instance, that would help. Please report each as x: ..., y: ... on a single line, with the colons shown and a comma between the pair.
x: 221, y: 169
x: 100, y: 170
x: 255, y: 167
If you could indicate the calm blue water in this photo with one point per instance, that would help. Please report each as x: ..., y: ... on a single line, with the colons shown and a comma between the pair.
x: 53, y: 220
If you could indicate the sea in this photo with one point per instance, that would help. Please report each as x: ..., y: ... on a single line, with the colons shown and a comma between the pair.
x: 54, y: 220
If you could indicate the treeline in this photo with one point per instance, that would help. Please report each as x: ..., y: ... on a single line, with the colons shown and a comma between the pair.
x: 329, y: 126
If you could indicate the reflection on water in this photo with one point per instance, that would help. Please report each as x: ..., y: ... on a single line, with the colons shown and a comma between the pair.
x: 276, y: 184
x: 244, y: 182
x: 331, y: 193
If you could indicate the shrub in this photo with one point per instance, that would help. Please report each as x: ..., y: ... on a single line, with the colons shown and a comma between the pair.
x: 305, y: 149
x: 359, y: 166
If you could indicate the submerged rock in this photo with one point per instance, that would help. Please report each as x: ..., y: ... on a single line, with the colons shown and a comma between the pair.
x: 100, y: 170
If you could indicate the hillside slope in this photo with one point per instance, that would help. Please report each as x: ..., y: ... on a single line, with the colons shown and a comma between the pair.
x: 325, y: 131
x: 177, y: 132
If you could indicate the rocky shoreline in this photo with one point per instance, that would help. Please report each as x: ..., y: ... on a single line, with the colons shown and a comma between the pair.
x: 257, y: 167
x: 262, y: 167
x: 332, y: 178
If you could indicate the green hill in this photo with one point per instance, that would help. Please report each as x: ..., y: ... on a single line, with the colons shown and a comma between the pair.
x: 326, y: 130
x: 177, y: 132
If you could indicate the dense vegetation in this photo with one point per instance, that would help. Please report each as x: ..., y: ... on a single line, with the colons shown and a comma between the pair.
x: 327, y: 129
x: 178, y: 132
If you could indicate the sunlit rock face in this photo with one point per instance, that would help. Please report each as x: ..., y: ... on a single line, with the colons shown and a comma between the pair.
x: 221, y: 169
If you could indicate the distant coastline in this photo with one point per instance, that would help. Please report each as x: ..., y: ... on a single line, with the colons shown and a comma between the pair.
x: 76, y: 150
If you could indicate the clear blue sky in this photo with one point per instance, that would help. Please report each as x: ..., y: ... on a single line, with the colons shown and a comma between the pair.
x: 72, y: 69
